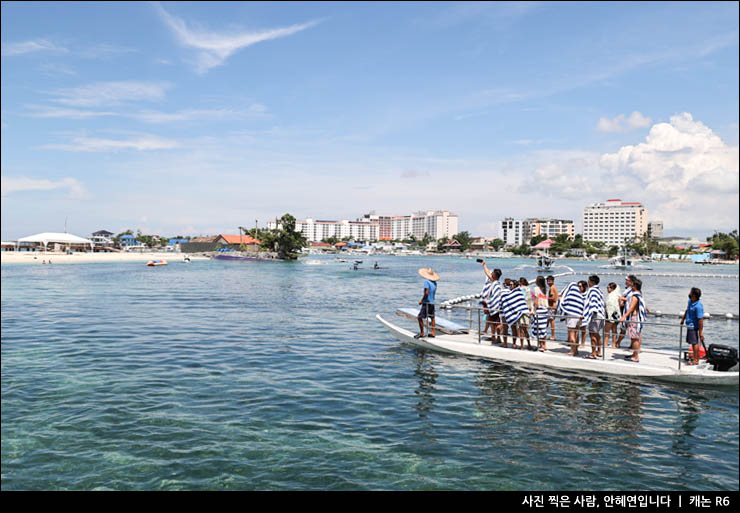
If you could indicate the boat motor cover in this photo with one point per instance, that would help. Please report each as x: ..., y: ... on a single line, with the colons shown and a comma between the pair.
x: 722, y: 357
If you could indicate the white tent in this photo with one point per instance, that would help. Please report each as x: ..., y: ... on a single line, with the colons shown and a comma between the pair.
x: 56, y: 238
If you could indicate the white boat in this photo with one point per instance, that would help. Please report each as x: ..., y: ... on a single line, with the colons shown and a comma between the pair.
x: 621, y: 262
x: 660, y: 365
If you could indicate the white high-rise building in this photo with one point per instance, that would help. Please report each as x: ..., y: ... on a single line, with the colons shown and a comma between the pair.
x: 435, y: 223
x: 511, y: 231
x: 372, y: 227
x: 614, y: 222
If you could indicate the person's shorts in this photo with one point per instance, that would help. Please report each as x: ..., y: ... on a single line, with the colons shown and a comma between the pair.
x: 634, y: 330
x: 596, y: 326
x: 427, y: 310
x: 573, y: 323
x: 692, y: 337
x: 524, y: 321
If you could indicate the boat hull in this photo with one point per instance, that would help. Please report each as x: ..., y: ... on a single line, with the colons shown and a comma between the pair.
x: 658, y: 365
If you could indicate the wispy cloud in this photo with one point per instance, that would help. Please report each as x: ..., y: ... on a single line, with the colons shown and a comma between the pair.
x: 33, y: 46
x: 92, y: 144
x: 12, y: 185
x: 623, y: 123
x: 110, y: 93
x: 213, y: 49
x: 253, y: 111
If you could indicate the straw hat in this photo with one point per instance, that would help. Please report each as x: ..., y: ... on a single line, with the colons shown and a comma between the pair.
x: 428, y: 273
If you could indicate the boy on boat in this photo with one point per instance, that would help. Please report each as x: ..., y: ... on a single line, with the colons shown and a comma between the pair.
x: 624, y: 303
x: 694, y: 318
x: 427, y: 301
x: 572, y: 305
x: 594, y: 315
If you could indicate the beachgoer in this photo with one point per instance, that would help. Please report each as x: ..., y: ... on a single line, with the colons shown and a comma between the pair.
x: 572, y: 305
x: 514, y: 306
x: 526, y: 320
x: 694, y: 318
x: 612, y: 313
x: 636, y: 313
x: 492, y: 294
x: 594, y: 315
x: 540, y: 313
x: 552, y: 304
x: 624, y: 302
x: 427, y: 301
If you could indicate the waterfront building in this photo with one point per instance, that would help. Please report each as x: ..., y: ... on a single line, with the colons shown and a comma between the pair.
x: 614, y: 222
x: 102, y: 239
x: 550, y: 228
x: 655, y: 229
x: 435, y: 223
x: 373, y: 227
x: 511, y: 231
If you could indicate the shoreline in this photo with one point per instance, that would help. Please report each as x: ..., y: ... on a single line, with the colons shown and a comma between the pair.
x: 40, y: 257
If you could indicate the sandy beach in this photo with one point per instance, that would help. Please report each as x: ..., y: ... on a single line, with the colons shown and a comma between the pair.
x: 30, y: 257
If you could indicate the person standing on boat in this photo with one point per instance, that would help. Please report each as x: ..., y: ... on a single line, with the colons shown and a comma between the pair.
x: 636, y: 313
x: 694, y: 318
x: 594, y: 315
x: 493, y: 301
x: 552, y: 304
x: 624, y: 303
x: 572, y: 305
x: 515, y: 307
x: 613, y: 313
x: 540, y: 318
x: 526, y: 319
x: 427, y: 301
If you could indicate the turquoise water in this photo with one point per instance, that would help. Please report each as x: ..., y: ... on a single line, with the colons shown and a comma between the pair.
x: 275, y: 376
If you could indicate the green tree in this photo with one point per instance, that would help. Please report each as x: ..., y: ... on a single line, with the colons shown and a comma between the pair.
x: 727, y: 242
x: 537, y: 239
x: 285, y: 240
x: 464, y: 239
x: 497, y: 244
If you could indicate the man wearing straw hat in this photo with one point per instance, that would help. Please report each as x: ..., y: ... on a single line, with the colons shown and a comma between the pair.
x: 427, y: 302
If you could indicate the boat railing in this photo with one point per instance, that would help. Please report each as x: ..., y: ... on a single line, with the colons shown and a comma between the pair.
x: 477, y: 319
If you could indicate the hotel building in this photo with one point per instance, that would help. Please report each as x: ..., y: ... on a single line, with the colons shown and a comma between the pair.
x: 515, y: 232
x: 373, y: 227
x: 614, y: 222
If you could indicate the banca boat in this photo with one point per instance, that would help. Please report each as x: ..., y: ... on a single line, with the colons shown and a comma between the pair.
x: 661, y: 365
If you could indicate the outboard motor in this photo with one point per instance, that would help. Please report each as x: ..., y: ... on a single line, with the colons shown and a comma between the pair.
x: 723, y: 358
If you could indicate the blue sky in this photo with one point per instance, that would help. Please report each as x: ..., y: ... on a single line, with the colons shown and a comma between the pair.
x: 187, y: 118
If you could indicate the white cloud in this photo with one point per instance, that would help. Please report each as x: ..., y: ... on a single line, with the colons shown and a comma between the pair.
x: 110, y: 93
x: 20, y: 184
x: 684, y: 172
x: 90, y: 144
x: 214, y: 48
x: 623, y: 123
x: 26, y: 47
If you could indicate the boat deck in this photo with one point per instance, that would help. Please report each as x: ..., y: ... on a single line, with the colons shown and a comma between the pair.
x: 657, y: 364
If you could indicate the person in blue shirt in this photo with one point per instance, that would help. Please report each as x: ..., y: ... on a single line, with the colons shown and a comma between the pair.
x: 694, y: 318
x: 427, y: 302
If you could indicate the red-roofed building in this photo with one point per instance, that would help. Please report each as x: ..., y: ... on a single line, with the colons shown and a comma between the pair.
x: 247, y: 240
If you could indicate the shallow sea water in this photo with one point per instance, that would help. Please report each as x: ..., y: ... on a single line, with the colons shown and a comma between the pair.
x: 277, y: 376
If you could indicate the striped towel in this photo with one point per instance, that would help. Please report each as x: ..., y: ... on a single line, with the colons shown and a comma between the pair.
x: 573, y: 302
x: 514, y: 305
x: 485, y: 294
x: 595, y: 305
x: 495, y: 299
x: 539, y: 322
x: 640, y: 314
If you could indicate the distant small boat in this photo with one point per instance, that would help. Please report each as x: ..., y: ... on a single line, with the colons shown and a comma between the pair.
x: 152, y: 263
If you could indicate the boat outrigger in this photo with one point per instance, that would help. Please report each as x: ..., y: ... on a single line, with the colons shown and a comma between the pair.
x: 721, y: 367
